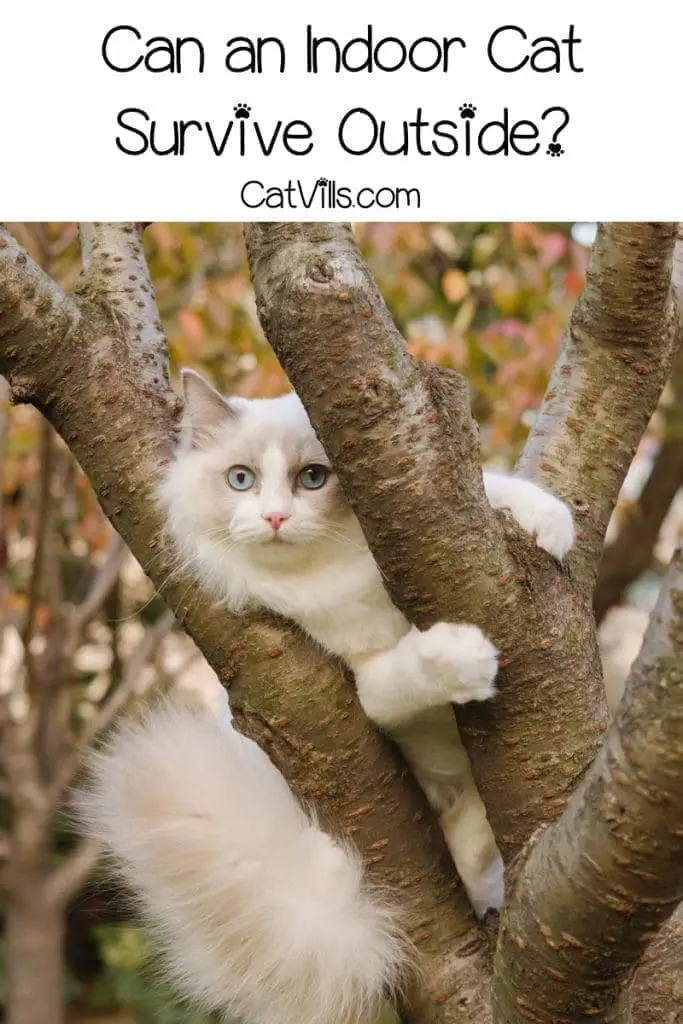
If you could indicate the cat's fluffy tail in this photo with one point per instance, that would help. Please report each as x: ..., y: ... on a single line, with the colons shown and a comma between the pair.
x: 259, y: 912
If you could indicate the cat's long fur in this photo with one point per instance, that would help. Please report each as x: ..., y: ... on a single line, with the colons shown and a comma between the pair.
x: 258, y: 910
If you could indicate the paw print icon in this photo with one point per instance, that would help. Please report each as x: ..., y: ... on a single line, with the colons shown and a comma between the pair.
x: 555, y: 149
x: 242, y: 110
x: 467, y: 110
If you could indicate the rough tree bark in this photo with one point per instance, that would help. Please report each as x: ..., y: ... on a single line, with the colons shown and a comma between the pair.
x: 402, y: 439
x: 611, y: 868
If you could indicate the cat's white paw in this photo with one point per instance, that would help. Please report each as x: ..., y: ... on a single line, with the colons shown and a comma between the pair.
x: 487, y: 891
x: 464, y: 660
x: 552, y: 526
x: 537, y: 511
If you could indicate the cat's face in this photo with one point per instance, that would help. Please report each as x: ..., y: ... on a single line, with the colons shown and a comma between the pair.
x: 253, y: 475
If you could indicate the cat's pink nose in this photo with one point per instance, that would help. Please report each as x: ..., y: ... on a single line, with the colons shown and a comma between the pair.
x: 276, y: 519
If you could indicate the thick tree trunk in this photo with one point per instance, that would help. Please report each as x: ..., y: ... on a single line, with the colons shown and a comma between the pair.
x: 35, y: 935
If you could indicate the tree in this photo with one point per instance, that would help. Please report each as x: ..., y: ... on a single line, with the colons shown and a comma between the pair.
x: 586, y: 893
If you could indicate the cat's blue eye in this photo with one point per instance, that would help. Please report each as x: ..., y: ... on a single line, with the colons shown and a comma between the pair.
x: 313, y: 477
x: 241, y: 478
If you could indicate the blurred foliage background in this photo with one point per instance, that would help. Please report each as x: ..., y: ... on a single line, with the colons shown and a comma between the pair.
x: 490, y: 300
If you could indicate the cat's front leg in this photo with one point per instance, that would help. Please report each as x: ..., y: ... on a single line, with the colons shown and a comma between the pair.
x: 539, y: 513
x: 447, y: 664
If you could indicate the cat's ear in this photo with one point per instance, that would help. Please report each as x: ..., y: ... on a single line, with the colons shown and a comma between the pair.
x: 204, y: 411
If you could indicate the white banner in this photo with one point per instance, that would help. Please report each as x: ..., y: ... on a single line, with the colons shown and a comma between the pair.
x: 167, y: 110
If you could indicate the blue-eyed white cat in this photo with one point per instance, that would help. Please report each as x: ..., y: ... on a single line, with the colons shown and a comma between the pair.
x: 254, y: 505
x: 255, y: 508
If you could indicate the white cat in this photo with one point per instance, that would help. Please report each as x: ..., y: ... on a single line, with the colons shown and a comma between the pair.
x: 254, y: 506
x: 205, y: 829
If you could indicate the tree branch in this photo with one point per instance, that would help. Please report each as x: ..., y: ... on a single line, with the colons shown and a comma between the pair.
x: 616, y: 357
x: 100, y: 381
x: 72, y: 873
x: 98, y: 593
x: 116, y: 277
x: 28, y: 297
x: 596, y: 886
x: 632, y: 551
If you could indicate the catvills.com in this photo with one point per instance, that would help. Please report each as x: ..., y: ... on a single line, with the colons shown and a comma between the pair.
x: 326, y: 194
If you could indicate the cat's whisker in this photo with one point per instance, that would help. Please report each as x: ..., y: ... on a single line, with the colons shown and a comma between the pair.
x: 182, y: 618
x: 326, y: 531
x: 171, y: 555
x: 333, y: 534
